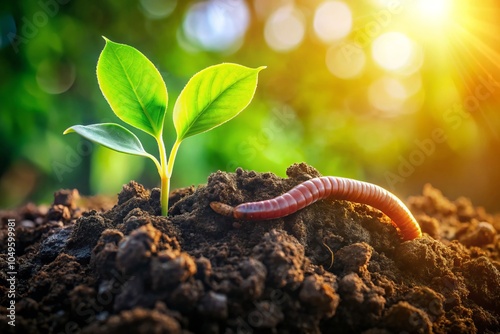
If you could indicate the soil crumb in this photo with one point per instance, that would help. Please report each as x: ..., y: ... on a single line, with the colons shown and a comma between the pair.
x: 333, y: 267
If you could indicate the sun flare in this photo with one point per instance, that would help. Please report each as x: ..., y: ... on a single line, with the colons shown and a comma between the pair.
x: 433, y: 9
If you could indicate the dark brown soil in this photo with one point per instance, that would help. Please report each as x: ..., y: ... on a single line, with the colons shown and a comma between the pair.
x: 334, y: 267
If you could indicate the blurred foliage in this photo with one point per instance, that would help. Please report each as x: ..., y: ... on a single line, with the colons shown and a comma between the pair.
x: 356, y: 89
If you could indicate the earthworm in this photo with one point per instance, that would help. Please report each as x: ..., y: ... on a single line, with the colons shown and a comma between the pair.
x: 319, y: 188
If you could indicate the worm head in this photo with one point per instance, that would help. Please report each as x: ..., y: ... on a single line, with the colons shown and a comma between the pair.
x: 222, y: 209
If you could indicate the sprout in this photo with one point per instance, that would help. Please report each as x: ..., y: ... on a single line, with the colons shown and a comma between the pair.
x: 138, y: 95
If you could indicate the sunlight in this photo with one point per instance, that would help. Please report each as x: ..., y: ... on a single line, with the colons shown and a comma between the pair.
x: 392, y: 50
x: 285, y: 29
x: 433, y: 9
x: 332, y: 21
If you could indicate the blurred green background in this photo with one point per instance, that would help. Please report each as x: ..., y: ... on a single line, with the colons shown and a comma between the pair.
x: 397, y: 93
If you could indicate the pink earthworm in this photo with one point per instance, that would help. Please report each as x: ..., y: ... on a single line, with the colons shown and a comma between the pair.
x: 319, y: 188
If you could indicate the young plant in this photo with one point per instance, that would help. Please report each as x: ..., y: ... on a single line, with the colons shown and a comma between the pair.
x: 138, y: 95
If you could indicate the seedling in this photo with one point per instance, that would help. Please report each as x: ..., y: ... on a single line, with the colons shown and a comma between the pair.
x: 138, y: 95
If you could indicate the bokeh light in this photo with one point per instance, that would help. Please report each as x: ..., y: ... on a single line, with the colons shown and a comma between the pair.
x: 345, y: 65
x: 216, y: 25
x: 55, y: 77
x: 285, y: 29
x: 387, y: 94
x: 332, y: 21
x: 412, y: 83
x: 392, y: 50
x: 158, y: 9
x: 414, y: 63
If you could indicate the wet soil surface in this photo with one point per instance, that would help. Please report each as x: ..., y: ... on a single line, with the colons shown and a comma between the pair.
x: 334, y: 267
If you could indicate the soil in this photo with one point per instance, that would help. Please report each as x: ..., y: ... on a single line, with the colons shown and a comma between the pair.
x: 334, y: 266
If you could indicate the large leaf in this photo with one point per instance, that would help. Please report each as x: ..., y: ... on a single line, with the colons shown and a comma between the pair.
x: 212, y: 97
x: 111, y: 135
x: 133, y: 87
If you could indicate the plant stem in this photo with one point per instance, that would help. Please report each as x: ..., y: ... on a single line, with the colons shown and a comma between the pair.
x: 165, y: 177
x: 165, y: 190
x: 171, y: 158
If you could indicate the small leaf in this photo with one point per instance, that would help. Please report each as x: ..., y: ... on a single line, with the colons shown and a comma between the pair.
x: 212, y: 97
x: 133, y: 87
x: 111, y: 135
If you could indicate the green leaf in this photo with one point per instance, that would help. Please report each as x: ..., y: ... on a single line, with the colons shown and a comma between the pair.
x: 133, y: 87
x: 212, y: 97
x: 111, y: 135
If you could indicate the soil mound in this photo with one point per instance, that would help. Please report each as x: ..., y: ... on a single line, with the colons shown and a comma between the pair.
x: 334, y: 266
